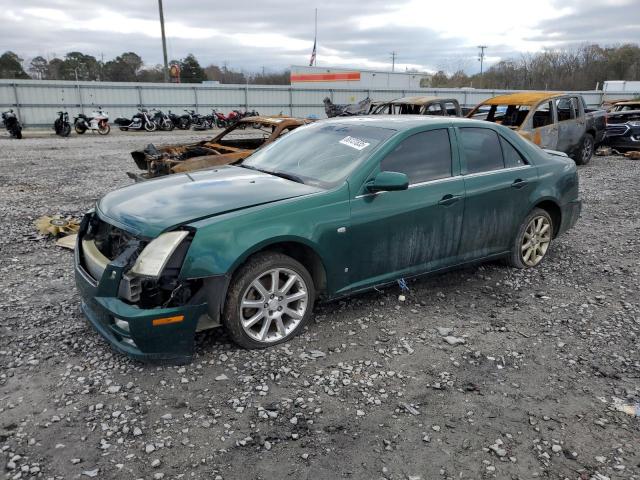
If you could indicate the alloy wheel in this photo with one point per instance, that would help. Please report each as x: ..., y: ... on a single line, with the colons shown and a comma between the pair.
x: 536, y: 240
x: 273, y: 305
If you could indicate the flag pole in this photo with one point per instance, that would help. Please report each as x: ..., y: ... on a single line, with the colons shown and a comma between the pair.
x: 315, y: 38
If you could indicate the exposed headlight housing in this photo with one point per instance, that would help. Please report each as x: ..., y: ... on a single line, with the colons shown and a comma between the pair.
x: 157, y: 253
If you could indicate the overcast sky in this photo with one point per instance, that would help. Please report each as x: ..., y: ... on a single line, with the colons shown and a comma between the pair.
x: 274, y: 34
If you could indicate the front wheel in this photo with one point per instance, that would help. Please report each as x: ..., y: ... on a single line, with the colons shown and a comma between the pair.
x: 104, y: 129
x: 533, y: 240
x: 18, y: 133
x: 150, y: 126
x: 79, y: 130
x: 66, y: 130
x: 269, y: 301
x: 586, y: 150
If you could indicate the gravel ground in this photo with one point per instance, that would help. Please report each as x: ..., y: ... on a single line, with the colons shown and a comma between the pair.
x: 370, y: 390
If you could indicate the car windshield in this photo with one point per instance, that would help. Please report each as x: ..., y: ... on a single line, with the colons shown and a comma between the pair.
x: 321, y: 154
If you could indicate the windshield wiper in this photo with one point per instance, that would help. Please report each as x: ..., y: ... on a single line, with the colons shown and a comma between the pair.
x: 285, y: 175
x: 288, y: 176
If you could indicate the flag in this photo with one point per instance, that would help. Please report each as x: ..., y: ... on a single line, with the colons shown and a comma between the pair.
x: 313, y: 54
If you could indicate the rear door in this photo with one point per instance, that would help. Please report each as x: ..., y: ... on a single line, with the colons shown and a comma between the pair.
x: 411, y: 231
x: 543, y: 126
x: 571, y: 123
x: 498, y: 181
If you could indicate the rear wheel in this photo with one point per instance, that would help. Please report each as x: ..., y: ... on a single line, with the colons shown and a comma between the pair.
x: 583, y: 156
x: 269, y: 301
x: 66, y: 130
x: 533, y: 240
x: 79, y: 130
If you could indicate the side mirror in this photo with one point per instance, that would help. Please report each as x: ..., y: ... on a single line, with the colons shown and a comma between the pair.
x: 388, y: 182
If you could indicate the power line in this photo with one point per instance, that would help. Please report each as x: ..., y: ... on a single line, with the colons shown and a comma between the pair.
x: 481, y: 57
x: 393, y: 61
x: 164, y: 43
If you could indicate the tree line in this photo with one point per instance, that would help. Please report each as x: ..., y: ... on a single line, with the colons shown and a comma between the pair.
x: 579, y: 68
x: 128, y: 67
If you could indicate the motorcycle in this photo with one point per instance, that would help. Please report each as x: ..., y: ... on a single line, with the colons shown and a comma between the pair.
x: 162, y: 120
x: 202, y: 122
x: 140, y: 121
x: 61, y: 125
x: 223, y: 121
x: 98, y: 122
x: 183, y: 122
x: 12, y: 124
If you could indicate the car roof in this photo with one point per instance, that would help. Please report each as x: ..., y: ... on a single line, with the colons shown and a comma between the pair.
x: 275, y: 120
x: 521, y: 98
x: 418, y: 100
x: 627, y: 102
x: 405, y: 122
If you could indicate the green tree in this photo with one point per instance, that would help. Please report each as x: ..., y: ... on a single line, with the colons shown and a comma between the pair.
x: 191, y: 71
x: 11, y: 66
x: 85, y: 66
x: 124, y: 68
x: 39, y: 68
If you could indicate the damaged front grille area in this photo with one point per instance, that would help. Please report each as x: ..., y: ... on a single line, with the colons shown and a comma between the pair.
x: 103, y: 243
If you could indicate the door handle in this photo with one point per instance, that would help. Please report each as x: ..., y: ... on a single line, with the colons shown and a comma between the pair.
x: 449, y: 199
x: 519, y: 183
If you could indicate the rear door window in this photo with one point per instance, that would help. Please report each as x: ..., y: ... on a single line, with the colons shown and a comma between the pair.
x: 422, y: 157
x: 512, y: 157
x: 482, y: 149
x: 434, y: 109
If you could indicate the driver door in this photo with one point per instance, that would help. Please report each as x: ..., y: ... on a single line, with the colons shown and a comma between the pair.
x: 403, y: 233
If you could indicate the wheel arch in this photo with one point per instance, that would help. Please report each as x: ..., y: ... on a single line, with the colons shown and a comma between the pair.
x: 297, y: 248
x: 550, y: 206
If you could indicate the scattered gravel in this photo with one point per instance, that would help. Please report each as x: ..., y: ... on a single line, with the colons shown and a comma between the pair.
x: 372, y: 389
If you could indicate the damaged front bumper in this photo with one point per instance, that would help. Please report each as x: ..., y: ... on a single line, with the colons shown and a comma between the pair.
x: 146, y: 334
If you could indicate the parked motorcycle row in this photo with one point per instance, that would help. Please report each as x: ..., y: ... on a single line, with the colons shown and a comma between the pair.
x: 154, y: 119
x: 147, y: 120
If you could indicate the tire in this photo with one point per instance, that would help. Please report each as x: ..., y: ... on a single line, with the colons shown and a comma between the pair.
x: 79, y: 130
x: 66, y: 130
x: 150, y: 126
x: 18, y: 134
x: 184, y: 124
x: 533, y: 225
x: 584, y: 154
x: 124, y: 129
x: 104, y: 130
x: 279, y: 320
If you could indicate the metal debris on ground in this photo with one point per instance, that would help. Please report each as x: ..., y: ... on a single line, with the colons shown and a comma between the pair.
x: 634, y: 155
x: 67, y: 242
x: 57, y: 225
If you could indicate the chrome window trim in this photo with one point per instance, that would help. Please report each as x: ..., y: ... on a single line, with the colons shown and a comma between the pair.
x: 491, y: 172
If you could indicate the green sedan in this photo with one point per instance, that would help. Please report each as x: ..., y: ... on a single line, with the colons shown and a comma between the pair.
x: 330, y: 209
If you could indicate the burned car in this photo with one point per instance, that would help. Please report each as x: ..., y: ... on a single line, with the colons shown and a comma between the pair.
x: 334, y: 208
x: 623, y: 125
x: 555, y: 121
x: 421, y: 105
x: 232, y: 145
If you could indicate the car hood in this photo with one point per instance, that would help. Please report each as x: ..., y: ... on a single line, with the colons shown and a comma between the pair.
x: 149, y: 208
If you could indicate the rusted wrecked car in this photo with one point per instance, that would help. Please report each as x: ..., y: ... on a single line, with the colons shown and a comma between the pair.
x: 421, y: 105
x: 552, y: 120
x: 232, y: 145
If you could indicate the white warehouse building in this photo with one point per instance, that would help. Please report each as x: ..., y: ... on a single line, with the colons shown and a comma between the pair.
x: 331, y: 77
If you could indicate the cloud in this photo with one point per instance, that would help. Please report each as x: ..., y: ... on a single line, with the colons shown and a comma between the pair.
x: 279, y: 33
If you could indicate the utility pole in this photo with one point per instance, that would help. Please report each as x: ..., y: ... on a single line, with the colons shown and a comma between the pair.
x: 393, y: 61
x: 481, y: 57
x: 164, y: 44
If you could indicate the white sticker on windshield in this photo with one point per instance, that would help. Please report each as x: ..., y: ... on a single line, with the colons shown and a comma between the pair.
x: 354, y: 143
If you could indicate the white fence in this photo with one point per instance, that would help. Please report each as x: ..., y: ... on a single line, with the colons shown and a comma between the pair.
x: 37, y: 101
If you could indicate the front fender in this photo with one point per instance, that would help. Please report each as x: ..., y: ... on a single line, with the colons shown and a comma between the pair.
x: 224, y: 242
